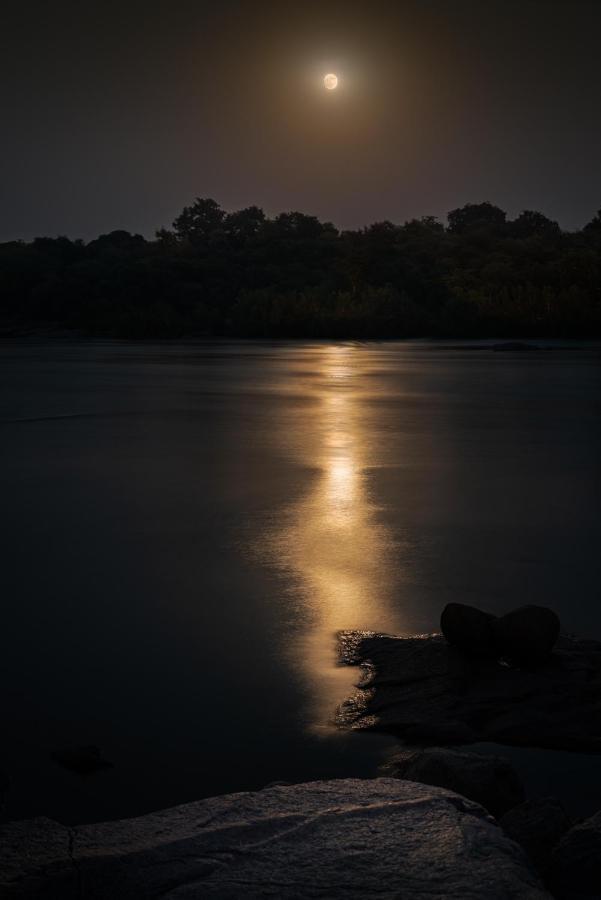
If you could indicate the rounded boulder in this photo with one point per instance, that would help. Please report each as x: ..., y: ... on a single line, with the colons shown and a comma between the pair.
x: 527, y: 634
x: 468, y: 628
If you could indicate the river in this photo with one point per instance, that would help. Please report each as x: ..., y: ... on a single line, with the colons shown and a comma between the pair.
x: 186, y: 526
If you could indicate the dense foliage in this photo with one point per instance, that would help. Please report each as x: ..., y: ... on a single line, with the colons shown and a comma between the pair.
x: 244, y: 274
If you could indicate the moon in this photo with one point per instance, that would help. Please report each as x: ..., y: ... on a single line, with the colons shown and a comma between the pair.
x: 330, y: 82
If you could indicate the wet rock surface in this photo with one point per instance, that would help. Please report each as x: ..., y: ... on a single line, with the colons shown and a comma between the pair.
x: 83, y: 760
x: 422, y: 689
x: 347, y: 838
x: 488, y: 780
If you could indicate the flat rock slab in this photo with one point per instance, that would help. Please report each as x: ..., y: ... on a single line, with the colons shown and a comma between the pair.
x: 427, y: 692
x: 380, y: 838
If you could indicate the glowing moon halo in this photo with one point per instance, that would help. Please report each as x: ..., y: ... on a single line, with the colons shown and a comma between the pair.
x: 330, y: 82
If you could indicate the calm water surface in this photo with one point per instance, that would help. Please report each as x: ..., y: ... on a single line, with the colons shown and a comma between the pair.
x: 185, y: 527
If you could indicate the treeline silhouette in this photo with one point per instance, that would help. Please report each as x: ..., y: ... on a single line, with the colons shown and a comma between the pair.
x: 243, y: 274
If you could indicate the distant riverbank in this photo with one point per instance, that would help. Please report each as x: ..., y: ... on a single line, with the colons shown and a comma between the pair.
x: 243, y: 274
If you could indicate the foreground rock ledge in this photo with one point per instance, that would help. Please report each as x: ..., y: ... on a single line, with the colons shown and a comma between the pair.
x: 428, y: 692
x: 350, y: 838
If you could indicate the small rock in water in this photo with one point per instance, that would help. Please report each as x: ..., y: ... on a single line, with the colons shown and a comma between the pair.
x: 83, y: 760
x: 527, y: 634
x: 538, y: 826
x: 468, y: 628
x: 576, y: 863
x: 489, y: 780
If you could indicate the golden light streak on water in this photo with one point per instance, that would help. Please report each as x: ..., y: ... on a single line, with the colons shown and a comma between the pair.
x: 339, y: 553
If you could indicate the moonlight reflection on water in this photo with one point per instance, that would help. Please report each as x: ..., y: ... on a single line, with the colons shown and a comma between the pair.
x: 339, y: 555
x: 187, y: 527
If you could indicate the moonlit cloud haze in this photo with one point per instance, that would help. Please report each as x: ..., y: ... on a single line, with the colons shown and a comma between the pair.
x: 116, y: 115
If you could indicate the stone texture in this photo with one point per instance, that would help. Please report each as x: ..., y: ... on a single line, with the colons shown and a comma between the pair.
x: 421, y: 688
x: 488, y: 780
x: 354, y: 839
x: 537, y: 826
x: 575, y: 872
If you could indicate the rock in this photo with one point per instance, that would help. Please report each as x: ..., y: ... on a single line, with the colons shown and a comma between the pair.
x: 488, y: 780
x: 575, y: 871
x: 537, y: 826
x: 468, y: 628
x: 527, y: 634
x: 35, y: 860
x: 422, y: 687
x: 333, y: 839
x: 83, y: 760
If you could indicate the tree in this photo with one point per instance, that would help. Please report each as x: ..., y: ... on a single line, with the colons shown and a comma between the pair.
x: 196, y: 224
x: 299, y: 225
x: 118, y: 241
x: 530, y: 223
x: 594, y: 224
x: 474, y: 216
x: 244, y: 224
x: 426, y: 226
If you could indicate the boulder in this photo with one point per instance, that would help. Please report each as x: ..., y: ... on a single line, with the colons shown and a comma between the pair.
x: 575, y: 871
x: 527, y: 634
x: 346, y: 839
x: 489, y: 780
x: 537, y: 826
x: 469, y: 629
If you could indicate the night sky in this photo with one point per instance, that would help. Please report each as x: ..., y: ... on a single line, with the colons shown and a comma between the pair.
x: 115, y: 115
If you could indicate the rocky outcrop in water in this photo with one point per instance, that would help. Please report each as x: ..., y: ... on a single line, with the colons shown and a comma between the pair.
x: 347, y: 838
x: 429, y: 692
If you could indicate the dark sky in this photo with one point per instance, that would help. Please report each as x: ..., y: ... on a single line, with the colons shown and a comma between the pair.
x: 115, y: 115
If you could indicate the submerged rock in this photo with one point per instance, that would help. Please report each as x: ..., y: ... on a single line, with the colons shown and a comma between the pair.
x: 537, y: 826
x: 422, y: 686
x: 347, y: 838
x: 83, y: 760
x: 489, y: 780
x: 575, y: 872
